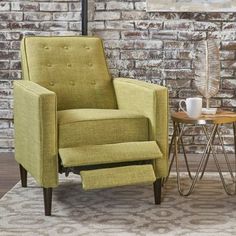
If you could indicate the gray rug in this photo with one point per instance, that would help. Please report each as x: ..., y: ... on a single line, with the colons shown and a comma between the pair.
x: 119, y: 211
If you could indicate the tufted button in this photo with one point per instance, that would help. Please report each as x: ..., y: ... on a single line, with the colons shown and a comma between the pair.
x: 49, y: 65
x: 66, y: 47
x: 72, y: 82
x: 93, y: 82
x: 46, y: 47
x: 90, y: 64
x: 51, y: 83
x: 87, y: 47
x: 69, y: 65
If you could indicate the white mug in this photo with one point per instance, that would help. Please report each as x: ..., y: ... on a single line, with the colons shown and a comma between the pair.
x: 193, y: 107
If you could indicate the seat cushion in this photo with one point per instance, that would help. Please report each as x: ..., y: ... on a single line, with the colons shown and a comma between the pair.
x: 100, y: 126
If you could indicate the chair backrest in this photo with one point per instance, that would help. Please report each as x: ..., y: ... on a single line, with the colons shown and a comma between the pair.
x: 74, y: 67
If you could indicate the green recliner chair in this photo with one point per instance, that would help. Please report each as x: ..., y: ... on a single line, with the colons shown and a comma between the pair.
x: 68, y: 112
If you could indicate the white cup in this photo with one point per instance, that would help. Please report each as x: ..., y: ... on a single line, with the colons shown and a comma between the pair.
x: 193, y: 106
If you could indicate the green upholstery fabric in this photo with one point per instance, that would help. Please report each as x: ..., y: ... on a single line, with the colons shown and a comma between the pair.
x: 36, y: 131
x: 109, y: 153
x: 118, y: 176
x: 73, y: 67
x: 69, y: 100
x: 100, y: 126
x: 152, y: 101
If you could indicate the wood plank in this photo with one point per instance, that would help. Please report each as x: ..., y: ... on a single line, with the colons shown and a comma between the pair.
x: 9, y: 172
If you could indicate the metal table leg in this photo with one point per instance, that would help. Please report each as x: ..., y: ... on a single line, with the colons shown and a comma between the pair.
x: 212, y: 150
x: 208, y: 154
x: 178, y: 129
x: 184, y: 152
x: 234, y: 129
x: 201, y: 163
x: 226, y: 156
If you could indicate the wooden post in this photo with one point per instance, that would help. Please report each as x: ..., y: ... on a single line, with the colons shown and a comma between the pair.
x: 157, y: 191
x: 47, y: 195
x: 23, y: 176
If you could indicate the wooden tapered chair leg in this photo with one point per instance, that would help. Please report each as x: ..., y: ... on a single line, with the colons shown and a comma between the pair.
x: 157, y: 191
x: 47, y: 196
x: 23, y: 176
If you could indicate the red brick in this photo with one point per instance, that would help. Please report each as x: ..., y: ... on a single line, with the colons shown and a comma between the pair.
x: 164, y: 35
x: 206, y: 26
x: 25, y: 6
x: 134, y: 35
x: 178, y: 25
x: 190, y: 36
x: 156, y: 25
x: 106, y: 15
x: 114, y: 5
x: 53, y: 6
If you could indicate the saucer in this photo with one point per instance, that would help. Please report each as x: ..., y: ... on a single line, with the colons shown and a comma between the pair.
x: 209, y: 111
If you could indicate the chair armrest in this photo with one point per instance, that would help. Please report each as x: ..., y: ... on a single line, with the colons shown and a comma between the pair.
x: 152, y: 101
x: 36, y: 131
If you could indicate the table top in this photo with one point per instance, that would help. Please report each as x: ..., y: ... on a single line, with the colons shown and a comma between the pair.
x: 221, y: 117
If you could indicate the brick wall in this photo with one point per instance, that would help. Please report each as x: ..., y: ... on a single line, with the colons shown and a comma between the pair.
x: 155, y: 47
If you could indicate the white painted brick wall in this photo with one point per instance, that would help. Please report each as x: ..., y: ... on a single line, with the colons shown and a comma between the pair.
x: 138, y: 44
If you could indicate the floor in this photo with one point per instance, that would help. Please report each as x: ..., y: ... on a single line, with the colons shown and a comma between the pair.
x: 9, y: 169
x: 9, y: 172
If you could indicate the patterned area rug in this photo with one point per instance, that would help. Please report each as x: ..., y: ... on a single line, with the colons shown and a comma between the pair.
x: 119, y: 211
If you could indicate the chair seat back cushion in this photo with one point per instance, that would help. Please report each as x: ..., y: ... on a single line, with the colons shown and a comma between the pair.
x: 73, y: 67
x: 100, y: 126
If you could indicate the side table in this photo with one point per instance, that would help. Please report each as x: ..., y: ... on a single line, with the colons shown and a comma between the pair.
x: 180, y: 121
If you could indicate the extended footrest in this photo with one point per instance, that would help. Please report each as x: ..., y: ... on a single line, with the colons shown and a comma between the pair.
x: 118, y: 176
x: 109, y: 153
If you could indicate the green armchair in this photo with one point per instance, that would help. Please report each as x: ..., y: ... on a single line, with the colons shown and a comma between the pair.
x: 69, y: 113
